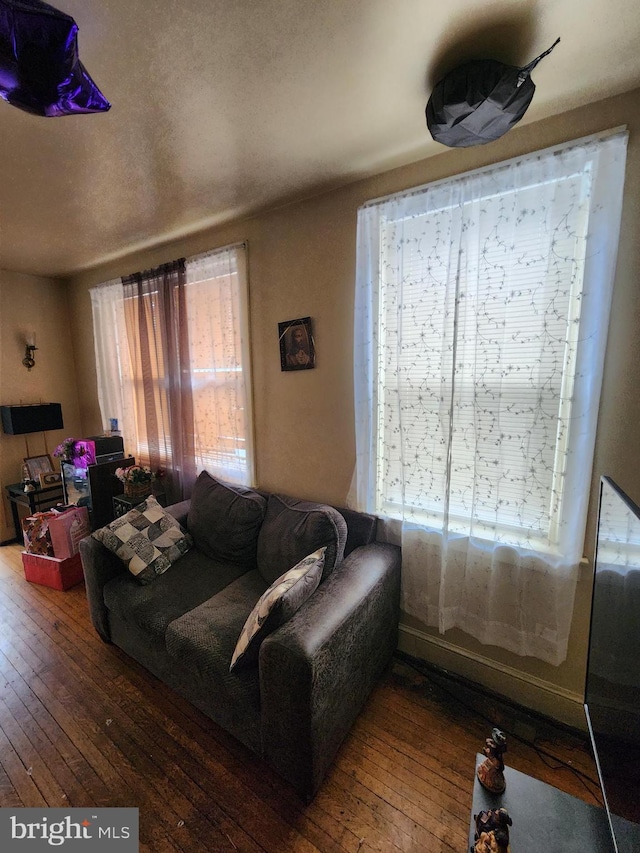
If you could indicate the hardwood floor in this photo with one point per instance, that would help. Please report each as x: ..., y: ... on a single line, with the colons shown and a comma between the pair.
x: 81, y: 724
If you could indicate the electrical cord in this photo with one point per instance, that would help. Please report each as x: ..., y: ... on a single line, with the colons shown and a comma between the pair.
x: 432, y: 675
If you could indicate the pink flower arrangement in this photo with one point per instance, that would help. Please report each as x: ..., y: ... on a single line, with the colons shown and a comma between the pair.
x: 134, y: 474
x: 70, y: 448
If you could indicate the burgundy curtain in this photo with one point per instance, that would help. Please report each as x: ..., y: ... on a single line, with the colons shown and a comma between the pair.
x: 158, y: 336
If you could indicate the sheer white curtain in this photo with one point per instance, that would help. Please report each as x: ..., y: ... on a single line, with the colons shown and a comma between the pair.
x: 113, y: 363
x: 482, y: 306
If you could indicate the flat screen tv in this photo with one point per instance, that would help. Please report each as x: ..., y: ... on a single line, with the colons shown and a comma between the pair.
x: 612, y: 693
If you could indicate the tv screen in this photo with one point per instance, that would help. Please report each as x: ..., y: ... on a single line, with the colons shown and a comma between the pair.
x: 612, y: 694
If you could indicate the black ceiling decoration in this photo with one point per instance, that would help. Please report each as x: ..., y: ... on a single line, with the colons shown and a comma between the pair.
x: 40, y: 70
x: 480, y: 101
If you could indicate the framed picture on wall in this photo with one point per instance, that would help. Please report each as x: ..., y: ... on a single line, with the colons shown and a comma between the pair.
x: 297, y: 348
x: 37, y: 465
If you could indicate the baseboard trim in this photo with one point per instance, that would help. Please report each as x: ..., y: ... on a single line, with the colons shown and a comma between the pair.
x: 527, y: 690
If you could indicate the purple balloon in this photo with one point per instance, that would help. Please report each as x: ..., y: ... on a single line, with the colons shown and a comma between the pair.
x: 40, y: 71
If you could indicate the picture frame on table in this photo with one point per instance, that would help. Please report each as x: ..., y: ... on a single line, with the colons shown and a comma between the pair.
x: 37, y: 465
x: 50, y: 478
x: 297, y: 347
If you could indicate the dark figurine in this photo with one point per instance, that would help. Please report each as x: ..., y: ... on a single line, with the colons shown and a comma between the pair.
x: 492, y: 831
x: 491, y: 771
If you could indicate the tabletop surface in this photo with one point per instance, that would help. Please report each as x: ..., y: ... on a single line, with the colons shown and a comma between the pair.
x: 544, y: 818
x: 18, y: 489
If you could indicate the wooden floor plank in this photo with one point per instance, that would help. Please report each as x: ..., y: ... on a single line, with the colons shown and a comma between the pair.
x: 9, y: 797
x: 366, y: 817
x: 114, y: 769
x: 381, y: 800
x: 192, y: 749
x: 93, y: 791
x: 18, y: 771
x: 431, y: 796
x: 82, y: 724
x: 35, y: 753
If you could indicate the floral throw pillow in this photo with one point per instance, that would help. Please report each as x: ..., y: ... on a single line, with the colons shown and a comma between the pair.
x: 278, y: 604
x: 147, y: 539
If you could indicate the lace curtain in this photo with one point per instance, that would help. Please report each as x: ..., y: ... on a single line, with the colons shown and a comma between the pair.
x: 172, y: 362
x: 482, y: 305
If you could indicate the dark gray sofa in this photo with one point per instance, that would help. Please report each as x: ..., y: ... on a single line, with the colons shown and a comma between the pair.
x: 294, y: 706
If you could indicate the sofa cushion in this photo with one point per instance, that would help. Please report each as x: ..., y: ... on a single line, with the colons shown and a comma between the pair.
x: 147, y: 539
x: 277, y: 605
x: 225, y: 520
x: 202, y: 641
x: 292, y: 529
x: 195, y: 579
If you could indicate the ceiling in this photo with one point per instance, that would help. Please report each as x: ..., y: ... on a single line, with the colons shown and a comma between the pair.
x: 225, y: 107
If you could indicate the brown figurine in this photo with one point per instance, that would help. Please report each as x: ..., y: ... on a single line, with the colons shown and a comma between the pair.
x: 491, y: 771
x: 492, y: 831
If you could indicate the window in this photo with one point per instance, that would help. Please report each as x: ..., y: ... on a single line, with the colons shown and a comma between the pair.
x: 482, y: 306
x: 479, y: 286
x: 176, y: 370
x: 487, y: 365
x: 219, y: 364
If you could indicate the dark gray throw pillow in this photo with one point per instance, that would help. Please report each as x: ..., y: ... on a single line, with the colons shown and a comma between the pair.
x: 225, y: 520
x: 292, y: 529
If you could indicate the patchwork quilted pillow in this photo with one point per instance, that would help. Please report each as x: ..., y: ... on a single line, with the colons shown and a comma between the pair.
x: 277, y: 605
x: 147, y: 539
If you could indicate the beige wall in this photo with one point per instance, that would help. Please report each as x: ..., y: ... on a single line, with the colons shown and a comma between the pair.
x: 302, y: 262
x: 29, y: 303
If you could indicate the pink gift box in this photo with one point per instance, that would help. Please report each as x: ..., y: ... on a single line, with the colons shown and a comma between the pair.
x: 49, y: 571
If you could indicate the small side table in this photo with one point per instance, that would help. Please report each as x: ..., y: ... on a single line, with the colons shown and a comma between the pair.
x: 544, y: 818
x: 122, y: 503
x: 38, y: 500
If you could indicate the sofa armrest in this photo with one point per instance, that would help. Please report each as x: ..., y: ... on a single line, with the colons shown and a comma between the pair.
x: 180, y: 511
x: 99, y: 565
x: 317, y: 670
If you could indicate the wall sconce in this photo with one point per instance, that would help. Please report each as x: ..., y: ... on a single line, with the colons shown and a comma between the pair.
x: 29, y: 348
